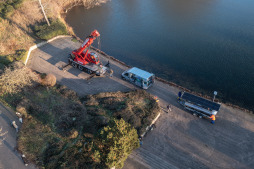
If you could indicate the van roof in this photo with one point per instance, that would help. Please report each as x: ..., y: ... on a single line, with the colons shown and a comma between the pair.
x: 141, y: 73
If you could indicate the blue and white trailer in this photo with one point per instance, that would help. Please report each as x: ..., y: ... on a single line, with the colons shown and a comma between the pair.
x: 197, y: 105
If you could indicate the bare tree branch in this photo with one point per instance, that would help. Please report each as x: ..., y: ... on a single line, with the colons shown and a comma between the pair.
x: 42, y: 8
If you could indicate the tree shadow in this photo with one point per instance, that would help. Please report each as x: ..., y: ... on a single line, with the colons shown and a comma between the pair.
x: 31, y: 34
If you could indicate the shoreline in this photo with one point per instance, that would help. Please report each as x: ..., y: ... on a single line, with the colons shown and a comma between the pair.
x: 168, y: 82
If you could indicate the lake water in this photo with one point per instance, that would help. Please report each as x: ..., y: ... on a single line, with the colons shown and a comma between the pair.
x: 204, y: 45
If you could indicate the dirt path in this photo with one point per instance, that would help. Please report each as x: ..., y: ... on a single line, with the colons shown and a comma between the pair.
x: 179, y: 140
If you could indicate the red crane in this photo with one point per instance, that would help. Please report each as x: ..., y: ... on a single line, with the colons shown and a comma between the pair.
x: 83, y: 57
x: 88, y: 62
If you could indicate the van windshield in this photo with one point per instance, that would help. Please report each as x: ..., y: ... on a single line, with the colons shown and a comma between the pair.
x: 150, y: 80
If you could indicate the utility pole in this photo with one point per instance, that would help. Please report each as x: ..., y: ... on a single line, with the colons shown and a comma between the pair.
x: 44, y: 13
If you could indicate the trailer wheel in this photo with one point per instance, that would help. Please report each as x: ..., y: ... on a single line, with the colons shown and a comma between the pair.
x: 74, y: 65
x: 80, y: 67
x: 200, y: 117
x: 89, y: 71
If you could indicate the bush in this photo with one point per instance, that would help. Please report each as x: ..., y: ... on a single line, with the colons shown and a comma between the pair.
x: 2, y: 6
x: 49, y: 80
x: 67, y: 93
x: 17, y: 3
x: 1, y: 67
x: 47, y: 32
x: 136, y: 107
x: 20, y: 55
x: 7, y: 8
x: 6, y: 60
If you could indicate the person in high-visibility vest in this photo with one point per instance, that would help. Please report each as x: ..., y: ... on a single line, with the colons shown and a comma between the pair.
x: 156, y: 99
x: 212, y: 117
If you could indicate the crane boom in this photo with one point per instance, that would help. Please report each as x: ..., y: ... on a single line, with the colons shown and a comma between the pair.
x: 89, y: 40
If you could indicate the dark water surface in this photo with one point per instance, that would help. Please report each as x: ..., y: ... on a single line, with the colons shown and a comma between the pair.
x: 204, y: 45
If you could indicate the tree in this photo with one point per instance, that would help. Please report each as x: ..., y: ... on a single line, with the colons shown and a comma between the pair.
x: 118, y: 140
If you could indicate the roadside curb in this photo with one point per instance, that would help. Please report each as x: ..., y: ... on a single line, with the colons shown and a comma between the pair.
x: 42, y: 44
x: 149, y: 127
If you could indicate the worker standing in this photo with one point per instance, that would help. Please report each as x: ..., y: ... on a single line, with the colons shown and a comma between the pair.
x: 156, y: 99
x: 108, y: 64
x: 111, y: 72
x: 212, y: 117
x: 169, y: 107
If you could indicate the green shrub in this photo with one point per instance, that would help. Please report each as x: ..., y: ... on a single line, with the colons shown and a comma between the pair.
x: 47, y: 32
x: 2, y: 66
x: 9, y: 2
x: 6, y: 59
x: 8, y: 10
x: 17, y: 4
x: 20, y: 54
x: 2, y: 6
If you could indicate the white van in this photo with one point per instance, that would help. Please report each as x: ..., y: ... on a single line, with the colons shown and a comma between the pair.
x: 139, y: 77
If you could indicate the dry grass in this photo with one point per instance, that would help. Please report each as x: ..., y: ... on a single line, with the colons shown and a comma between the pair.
x: 16, y: 31
x: 15, y: 78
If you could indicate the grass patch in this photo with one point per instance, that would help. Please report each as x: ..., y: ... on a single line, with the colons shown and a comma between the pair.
x: 46, y: 32
x: 6, y: 59
x: 136, y: 107
x: 19, y: 55
x: 74, y: 40
x: 7, y: 7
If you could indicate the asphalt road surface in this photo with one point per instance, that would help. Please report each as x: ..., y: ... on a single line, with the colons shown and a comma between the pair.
x: 179, y: 140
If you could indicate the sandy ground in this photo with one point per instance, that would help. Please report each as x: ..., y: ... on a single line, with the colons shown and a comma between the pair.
x: 179, y: 140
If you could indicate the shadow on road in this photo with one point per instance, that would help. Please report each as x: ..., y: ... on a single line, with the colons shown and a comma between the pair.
x: 232, y: 145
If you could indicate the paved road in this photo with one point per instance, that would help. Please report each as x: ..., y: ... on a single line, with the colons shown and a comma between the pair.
x: 179, y: 140
x: 9, y: 159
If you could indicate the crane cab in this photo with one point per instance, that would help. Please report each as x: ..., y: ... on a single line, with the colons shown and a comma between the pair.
x: 94, y: 58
